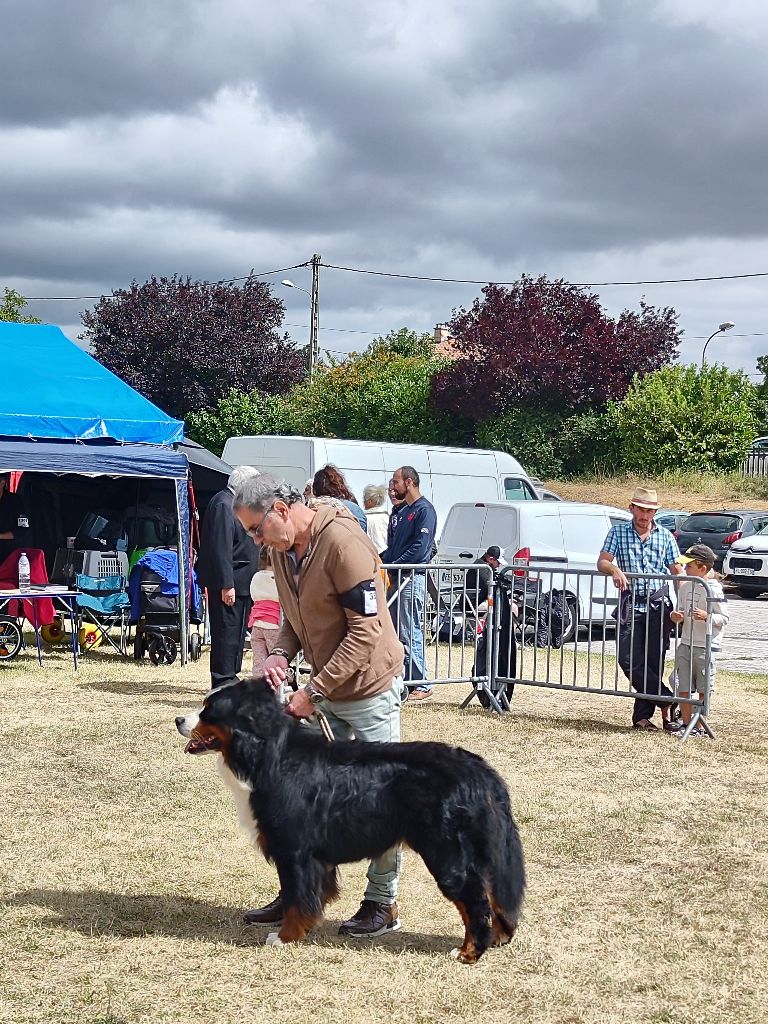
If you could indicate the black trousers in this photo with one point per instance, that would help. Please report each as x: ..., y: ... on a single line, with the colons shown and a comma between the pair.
x: 228, y: 625
x: 643, y: 642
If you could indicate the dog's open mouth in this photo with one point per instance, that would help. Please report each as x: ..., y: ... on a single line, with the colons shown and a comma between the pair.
x: 198, y: 745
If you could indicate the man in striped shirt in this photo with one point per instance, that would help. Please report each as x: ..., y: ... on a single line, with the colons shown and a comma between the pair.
x: 643, y: 622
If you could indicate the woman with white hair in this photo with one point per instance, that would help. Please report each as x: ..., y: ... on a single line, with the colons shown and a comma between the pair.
x: 376, y: 514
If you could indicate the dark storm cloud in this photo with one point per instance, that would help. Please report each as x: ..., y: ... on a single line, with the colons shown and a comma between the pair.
x: 577, y: 137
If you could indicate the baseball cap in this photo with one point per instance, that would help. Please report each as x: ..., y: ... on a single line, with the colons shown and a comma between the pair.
x: 698, y: 553
x: 494, y: 551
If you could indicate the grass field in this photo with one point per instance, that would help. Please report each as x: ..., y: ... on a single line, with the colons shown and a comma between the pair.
x: 125, y: 877
x: 692, y: 492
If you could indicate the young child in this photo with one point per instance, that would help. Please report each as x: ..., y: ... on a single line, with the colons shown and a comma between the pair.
x: 692, y: 611
x: 264, y: 620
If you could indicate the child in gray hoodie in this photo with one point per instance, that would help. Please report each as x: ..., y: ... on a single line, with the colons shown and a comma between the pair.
x: 695, y: 604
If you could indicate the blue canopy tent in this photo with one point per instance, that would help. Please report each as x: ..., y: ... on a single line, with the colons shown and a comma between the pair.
x: 62, y: 412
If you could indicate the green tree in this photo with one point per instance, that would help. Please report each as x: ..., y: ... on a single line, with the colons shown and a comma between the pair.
x: 406, y: 342
x: 760, y: 404
x: 238, y: 413
x: 379, y: 395
x: 684, y: 418
x: 11, y: 307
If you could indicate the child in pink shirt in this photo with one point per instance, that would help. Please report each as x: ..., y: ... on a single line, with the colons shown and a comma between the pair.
x: 264, y: 621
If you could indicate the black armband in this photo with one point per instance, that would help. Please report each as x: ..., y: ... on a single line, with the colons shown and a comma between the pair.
x: 361, y: 599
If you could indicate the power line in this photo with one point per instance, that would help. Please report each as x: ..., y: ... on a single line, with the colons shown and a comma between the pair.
x: 439, y: 280
x: 224, y: 280
x: 700, y: 337
x: 577, y: 284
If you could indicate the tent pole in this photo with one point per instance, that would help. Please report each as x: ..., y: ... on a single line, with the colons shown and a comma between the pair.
x: 184, y: 639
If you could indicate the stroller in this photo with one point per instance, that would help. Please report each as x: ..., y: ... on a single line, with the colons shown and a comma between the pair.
x: 154, y: 591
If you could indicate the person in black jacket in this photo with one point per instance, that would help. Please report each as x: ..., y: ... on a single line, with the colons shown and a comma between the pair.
x: 228, y: 559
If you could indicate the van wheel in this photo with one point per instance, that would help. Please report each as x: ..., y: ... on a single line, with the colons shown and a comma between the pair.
x: 571, y: 625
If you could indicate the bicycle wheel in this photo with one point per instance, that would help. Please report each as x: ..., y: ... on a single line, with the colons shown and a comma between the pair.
x: 10, y: 638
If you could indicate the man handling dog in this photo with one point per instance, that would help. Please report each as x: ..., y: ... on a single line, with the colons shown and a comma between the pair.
x: 334, y: 606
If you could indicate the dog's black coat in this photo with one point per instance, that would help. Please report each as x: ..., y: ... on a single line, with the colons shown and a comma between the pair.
x: 320, y: 804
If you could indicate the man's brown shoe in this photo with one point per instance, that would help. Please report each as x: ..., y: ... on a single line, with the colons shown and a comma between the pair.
x: 418, y: 694
x: 371, y: 919
x: 272, y: 913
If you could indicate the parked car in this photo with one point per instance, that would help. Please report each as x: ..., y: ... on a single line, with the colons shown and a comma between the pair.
x: 671, y: 518
x: 553, y: 536
x: 719, y: 530
x: 746, y: 564
x: 760, y: 444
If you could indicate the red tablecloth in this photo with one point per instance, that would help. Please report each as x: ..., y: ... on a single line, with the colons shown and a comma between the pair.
x: 9, y: 579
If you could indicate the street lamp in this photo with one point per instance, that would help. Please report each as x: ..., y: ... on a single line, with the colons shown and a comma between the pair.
x: 314, y: 304
x: 723, y: 327
x: 290, y: 284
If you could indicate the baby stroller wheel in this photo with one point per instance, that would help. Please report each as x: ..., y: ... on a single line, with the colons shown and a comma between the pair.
x: 162, y: 650
x: 195, y: 647
x: 10, y: 638
x: 138, y: 646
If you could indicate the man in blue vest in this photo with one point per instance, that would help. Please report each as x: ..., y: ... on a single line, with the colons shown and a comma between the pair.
x: 413, y: 527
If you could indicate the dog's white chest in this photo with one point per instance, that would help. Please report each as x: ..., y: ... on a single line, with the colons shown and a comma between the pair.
x: 241, y: 791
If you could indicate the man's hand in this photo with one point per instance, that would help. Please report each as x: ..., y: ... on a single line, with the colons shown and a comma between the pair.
x: 301, y: 706
x: 275, y: 670
x: 620, y: 581
x: 676, y: 616
x: 228, y: 596
x: 700, y: 615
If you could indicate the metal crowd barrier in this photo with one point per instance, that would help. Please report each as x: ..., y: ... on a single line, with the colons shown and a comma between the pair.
x: 567, y: 630
x: 573, y: 630
x: 439, y: 613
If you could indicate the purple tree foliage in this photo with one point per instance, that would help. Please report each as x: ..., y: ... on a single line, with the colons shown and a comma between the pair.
x: 548, y: 345
x: 185, y: 344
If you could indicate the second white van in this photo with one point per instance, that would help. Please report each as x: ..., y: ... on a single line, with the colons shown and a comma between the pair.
x: 446, y: 473
x: 555, y: 536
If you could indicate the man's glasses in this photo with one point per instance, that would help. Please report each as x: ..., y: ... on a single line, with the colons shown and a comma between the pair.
x: 257, y: 532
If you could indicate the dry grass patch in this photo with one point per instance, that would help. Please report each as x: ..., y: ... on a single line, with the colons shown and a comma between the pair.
x: 694, y: 492
x: 125, y: 875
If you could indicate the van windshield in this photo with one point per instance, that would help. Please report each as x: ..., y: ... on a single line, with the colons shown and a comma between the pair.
x: 516, y: 489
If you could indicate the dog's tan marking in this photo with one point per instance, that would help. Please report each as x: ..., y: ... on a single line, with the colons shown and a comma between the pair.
x: 296, y: 925
x: 467, y: 954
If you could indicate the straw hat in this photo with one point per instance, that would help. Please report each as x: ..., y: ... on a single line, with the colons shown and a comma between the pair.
x: 645, y: 497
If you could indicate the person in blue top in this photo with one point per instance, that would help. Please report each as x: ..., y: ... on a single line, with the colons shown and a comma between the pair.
x: 412, y: 538
x: 643, y: 622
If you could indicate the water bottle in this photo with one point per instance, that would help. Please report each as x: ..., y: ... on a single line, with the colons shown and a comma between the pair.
x: 24, y: 572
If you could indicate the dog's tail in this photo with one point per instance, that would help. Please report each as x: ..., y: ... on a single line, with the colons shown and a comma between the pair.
x: 506, y: 884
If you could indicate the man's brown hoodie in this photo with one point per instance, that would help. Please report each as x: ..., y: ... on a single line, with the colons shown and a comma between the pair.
x: 352, y: 655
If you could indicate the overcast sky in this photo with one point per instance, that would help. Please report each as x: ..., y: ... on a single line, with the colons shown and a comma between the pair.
x: 597, y: 141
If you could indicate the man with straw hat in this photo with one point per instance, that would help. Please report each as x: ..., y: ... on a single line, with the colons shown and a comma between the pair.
x: 643, y: 617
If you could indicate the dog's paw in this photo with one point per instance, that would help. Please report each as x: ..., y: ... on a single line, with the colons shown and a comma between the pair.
x: 456, y: 954
x: 273, y: 939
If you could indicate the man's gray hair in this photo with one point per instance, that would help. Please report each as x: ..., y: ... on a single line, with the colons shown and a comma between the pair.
x: 375, y: 493
x: 239, y: 474
x: 259, y: 493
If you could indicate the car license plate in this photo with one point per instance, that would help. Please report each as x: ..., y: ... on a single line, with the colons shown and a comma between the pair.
x: 451, y: 580
x: 744, y: 572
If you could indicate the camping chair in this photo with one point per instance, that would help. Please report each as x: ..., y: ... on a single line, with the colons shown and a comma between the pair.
x: 103, y: 604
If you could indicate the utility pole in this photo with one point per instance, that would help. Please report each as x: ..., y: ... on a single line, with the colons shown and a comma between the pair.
x: 314, y: 350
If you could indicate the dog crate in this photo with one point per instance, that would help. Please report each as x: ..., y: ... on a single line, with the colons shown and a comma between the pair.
x: 70, y: 563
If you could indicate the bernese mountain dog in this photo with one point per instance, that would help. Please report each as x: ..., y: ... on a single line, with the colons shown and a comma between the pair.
x: 311, y: 805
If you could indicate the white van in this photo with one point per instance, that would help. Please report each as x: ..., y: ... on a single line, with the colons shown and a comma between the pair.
x: 446, y: 473
x: 552, y: 535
